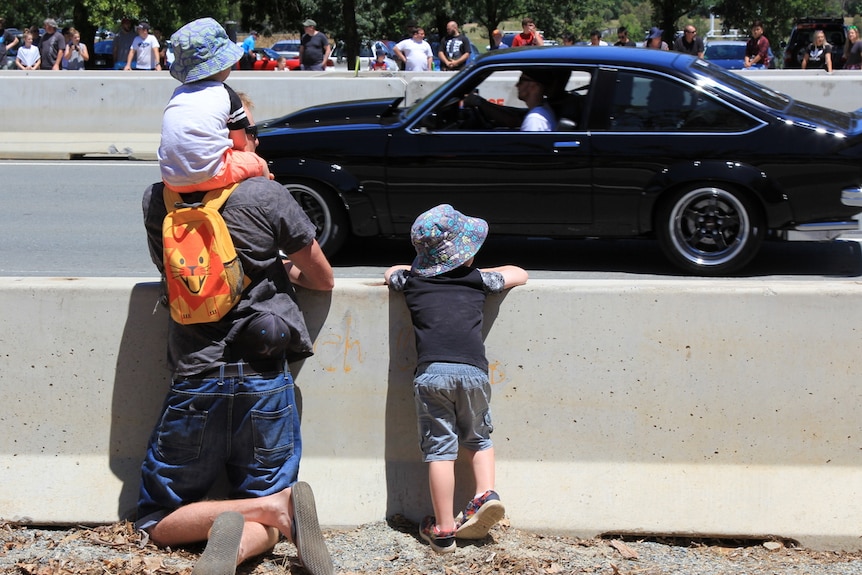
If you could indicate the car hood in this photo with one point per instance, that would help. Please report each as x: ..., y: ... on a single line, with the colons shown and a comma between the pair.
x: 339, y: 113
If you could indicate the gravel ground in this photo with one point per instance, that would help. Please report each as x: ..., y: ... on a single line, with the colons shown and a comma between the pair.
x: 394, y: 547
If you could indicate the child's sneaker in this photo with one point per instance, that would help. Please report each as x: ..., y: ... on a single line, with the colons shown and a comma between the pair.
x: 480, y: 515
x: 440, y: 541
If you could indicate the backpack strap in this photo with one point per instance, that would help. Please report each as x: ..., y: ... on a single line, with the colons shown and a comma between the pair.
x: 213, y: 199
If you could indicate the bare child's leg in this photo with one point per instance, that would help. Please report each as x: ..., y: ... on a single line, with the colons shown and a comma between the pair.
x: 483, y: 464
x: 441, y: 478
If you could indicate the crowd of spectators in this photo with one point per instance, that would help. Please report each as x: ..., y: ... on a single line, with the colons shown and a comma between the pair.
x: 135, y: 45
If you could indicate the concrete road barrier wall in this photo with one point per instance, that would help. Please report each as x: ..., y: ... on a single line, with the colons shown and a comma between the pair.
x: 700, y: 407
x: 67, y: 114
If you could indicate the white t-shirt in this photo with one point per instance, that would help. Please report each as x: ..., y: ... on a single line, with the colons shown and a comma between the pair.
x: 539, y: 119
x: 194, y: 133
x: 143, y: 48
x: 417, y: 54
x: 28, y: 55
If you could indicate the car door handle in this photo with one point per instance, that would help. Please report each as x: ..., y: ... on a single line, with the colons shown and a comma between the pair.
x: 567, y: 144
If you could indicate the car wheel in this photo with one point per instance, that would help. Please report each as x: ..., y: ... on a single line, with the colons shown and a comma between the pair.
x: 325, y: 212
x: 709, y: 229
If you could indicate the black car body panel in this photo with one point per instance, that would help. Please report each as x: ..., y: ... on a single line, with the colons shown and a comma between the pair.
x: 648, y: 136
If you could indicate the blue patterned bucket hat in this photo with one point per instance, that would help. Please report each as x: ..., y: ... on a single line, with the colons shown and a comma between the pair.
x: 201, y: 49
x: 445, y: 239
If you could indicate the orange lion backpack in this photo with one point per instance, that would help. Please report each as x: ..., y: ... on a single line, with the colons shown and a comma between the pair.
x: 204, y: 278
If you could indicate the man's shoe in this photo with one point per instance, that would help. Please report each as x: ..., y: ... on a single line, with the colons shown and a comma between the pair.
x: 219, y: 556
x: 480, y: 515
x: 309, y: 542
x: 440, y: 541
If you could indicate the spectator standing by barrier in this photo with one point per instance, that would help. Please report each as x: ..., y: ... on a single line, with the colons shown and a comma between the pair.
x: 852, y: 50
x: 596, y: 39
x: 314, y: 48
x: 623, y: 38
x: 529, y: 36
x: 654, y: 41
x: 757, y: 48
x: 454, y: 49
x: 28, y: 57
x: 818, y: 54
x: 77, y: 54
x: 248, y: 57
x: 415, y: 52
x: 497, y: 41
x: 123, y: 42
x: 235, y: 372
x: 689, y: 42
x: 568, y: 38
x: 52, y: 46
x: 8, y: 41
x: 451, y: 388
x: 144, y: 51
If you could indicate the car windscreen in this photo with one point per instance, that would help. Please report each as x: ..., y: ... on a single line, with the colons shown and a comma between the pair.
x: 721, y: 79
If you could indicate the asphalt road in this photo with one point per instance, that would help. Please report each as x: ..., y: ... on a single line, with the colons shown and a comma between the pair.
x: 83, y: 219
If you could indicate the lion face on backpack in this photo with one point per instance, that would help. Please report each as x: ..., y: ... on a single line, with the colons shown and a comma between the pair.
x: 189, y: 261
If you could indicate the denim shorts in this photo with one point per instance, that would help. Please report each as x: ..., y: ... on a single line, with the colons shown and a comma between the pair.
x: 246, y: 427
x: 452, y: 408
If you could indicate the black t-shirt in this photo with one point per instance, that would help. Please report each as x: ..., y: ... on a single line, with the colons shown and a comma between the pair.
x: 456, y: 46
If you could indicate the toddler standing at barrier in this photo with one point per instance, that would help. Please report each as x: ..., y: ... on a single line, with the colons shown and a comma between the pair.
x: 204, y: 125
x: 452, y: 392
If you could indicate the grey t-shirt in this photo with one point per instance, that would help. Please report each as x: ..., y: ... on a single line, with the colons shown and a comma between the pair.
x: 263, y: 218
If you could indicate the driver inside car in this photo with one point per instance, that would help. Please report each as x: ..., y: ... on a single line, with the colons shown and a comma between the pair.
x: 533, y: 87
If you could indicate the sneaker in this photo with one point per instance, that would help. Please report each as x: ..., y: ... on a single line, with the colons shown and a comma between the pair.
x: 440, y: 541
x: 480, y: 515
x: 219, y: 556
x: 310, y: 545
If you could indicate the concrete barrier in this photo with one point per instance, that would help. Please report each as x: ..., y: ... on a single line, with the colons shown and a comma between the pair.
x: 111, y: 113
x: 724, y: 408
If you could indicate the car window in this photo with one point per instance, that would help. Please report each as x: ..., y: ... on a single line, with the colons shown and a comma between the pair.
x: 566, y: 96
x: 643, y: 103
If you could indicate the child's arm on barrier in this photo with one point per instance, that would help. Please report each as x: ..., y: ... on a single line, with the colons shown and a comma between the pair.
x: 512, y: 275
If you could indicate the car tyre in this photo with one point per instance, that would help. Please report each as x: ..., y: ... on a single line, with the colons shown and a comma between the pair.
x: 325, y: 212
x: 709, y: 229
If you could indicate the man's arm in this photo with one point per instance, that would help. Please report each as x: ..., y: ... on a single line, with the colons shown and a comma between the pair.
x: 158, y: 65
x: 310, y: 269
x: 326, y: 52
x: 61, y: 50
x: 129, y: 57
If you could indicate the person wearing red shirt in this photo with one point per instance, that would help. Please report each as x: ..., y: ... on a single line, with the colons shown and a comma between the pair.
x: 529, y: 36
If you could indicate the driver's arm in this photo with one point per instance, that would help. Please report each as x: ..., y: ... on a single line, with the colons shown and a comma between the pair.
x: 506, y: 116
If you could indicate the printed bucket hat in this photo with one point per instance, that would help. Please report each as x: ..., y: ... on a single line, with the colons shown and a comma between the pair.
x: 445, y: 239
x: 201, y: 49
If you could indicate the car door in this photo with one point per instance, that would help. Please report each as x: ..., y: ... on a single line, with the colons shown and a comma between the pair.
x: 649, y: 129
x: 521, y: 182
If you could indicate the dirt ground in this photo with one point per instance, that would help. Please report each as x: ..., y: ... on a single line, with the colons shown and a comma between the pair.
x: 393, y: 547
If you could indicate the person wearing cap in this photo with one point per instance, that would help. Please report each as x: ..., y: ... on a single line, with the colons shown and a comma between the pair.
x: 248, y: 57
x: 445, y: 294
x: 204, y: 124
x: 231, y: 386
x: 52, y: 46
x: 497, y: 40
x: 144, y: 50
x: 532, y: 87
x: 654, y: 41
x: 122, y: 42
x: 314, y: 47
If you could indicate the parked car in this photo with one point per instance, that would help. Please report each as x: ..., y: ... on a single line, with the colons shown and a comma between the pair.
x: 802, y: 35
x: 730, y: 54
x: 287, y: 48
x: 649, y: 144
x: 103, y: 55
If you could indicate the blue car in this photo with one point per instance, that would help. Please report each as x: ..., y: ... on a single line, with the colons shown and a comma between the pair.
x: 730, y: 54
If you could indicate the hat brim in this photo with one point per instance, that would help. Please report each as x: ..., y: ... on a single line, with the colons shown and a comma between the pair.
x: 224, y: 60
x: 429, y: 267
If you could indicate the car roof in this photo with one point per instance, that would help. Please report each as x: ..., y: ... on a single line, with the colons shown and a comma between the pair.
x: 599, y: 55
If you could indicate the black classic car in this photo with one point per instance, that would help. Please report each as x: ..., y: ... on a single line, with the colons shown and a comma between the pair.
x: 648, y: 144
